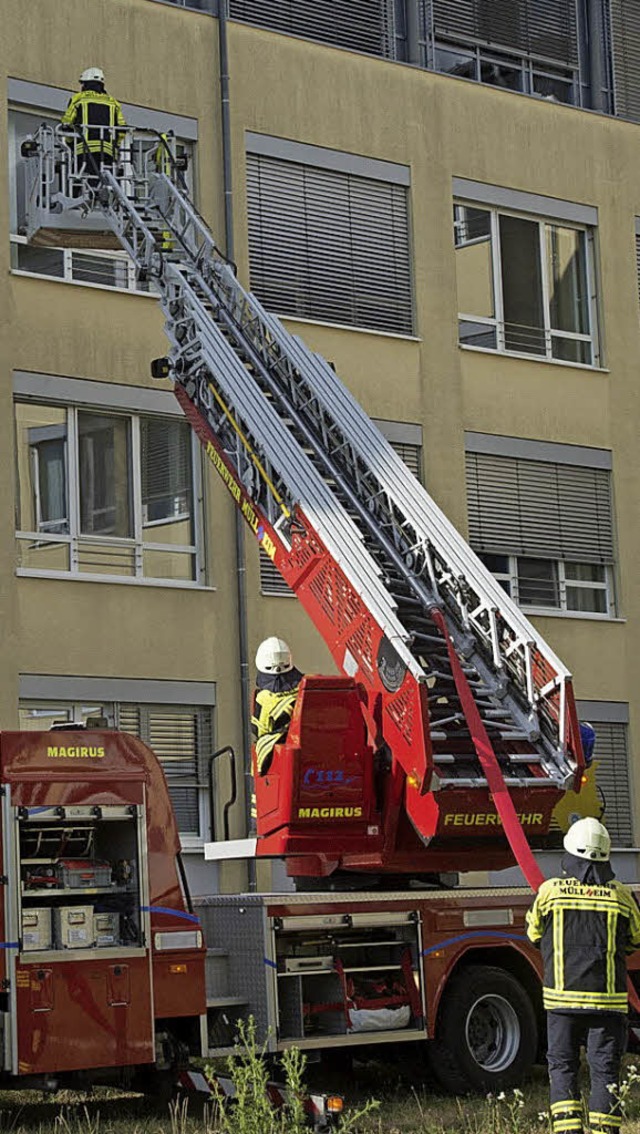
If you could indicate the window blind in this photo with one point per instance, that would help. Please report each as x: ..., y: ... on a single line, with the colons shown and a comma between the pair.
x: 166, y: 465
x: 612, y: 776
x: 329, y: 245
x: 361, y: 25
x: 625, y: 41
x: 182, y: 738
x: 539, y: 509
x: 543, y: 28
x: 638, y: 261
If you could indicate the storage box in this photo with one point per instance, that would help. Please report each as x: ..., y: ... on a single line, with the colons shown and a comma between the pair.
x: 74, y: 927
x: 36, y: 929
x: 106, y: 929
x: 83, y: 873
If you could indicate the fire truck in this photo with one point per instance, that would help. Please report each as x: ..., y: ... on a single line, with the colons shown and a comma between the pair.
x: 442, y: 745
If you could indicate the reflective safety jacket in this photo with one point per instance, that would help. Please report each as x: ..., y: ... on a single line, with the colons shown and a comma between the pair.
x: 272, y: 712
x: 99, y: 120
x: 584, y: 930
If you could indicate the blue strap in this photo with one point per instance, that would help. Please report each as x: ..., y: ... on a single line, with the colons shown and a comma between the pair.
x: 475, y: 934
x: 9, y: 944
x: 174, y: 913
x: 270, y: 963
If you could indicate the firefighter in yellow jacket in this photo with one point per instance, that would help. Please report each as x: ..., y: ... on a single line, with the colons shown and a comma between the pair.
x: 274, y: 699
x: 97, y: 120
x: 585, y: 924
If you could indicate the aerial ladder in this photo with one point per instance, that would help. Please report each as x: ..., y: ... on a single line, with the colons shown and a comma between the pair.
x: 453, y: 731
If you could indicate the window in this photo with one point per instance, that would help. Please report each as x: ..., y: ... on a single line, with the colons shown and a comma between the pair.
x: 529, y: 46
x: 406, y: 439
x: 373, y: 26
x: 330, y: 245
x: 549, y: 584
x: 180, y: 735
x: 543, y: 528
x: 104, y: 268
x: 525, y: 285
x: 105, y: 494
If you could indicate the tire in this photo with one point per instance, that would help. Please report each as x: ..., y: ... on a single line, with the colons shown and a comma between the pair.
x: 486, y: 1034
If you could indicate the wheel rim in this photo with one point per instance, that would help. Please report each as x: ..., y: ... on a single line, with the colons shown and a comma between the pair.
x: 492, y: 1032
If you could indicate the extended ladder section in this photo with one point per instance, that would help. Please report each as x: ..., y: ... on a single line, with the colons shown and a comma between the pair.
x: 447, y: 661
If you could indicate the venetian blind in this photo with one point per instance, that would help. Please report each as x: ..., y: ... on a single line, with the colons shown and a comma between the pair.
x: 361, y: 25
x: 612, y: 776
x: 539, y: 509
x: 329, y: 245
x: 625, y: 41
x: 182, y: 738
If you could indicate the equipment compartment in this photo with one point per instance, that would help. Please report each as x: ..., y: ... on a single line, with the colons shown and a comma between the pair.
x: 348, y: 978
x: 82, y: 866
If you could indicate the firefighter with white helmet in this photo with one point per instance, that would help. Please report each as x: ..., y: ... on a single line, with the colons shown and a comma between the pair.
x: 97, y: 121
x: 585, y: 923
x: 274, y: 699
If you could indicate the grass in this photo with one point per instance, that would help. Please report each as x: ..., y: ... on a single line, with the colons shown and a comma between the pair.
x: 405, y: 1108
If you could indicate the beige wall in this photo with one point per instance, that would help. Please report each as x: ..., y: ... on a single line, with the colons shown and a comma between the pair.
x: 166, y: 58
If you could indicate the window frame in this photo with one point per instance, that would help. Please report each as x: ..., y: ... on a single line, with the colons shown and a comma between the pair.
x: 497, y: 321
x: 530, y: 67
x: 75, y: 537
x: 511, y: 576
x: 314, y: 166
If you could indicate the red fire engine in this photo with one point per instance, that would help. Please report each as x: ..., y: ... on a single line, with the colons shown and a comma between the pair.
x: 451, y: 731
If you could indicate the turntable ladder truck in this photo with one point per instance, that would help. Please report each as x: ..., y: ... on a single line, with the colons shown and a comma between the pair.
x: 452, y: 731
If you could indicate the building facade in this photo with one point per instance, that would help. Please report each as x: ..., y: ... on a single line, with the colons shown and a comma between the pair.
x: 441, y: 197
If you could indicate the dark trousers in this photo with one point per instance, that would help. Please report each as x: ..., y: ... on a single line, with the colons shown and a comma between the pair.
x: 604, y: 1036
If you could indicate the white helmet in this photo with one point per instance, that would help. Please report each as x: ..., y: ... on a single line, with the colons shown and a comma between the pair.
x: 273, y: 656
x: 92, y: 75
x: 588, y: 839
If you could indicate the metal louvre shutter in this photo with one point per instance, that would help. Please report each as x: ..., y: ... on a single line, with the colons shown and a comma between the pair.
x: 625, y: 36
x: 638, y: 261
x: 534, y: 508
x: 329, y: 245
x: 182, y: 738
x: 362, y: 25
x: 544, y: 28
x: 271, y: 581
x: 412, y: 457
x: 612, y: 776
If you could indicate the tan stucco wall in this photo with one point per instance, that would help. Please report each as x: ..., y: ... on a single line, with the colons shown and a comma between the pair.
x: 166, y: 58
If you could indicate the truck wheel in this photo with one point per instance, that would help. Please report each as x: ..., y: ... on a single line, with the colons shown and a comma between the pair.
x: 487, y: 1032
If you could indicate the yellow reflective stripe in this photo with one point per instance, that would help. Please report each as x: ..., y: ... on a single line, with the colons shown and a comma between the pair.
x: 558, y: 949
x: 597, y: 1000
x: 612, y: 922
x: 567, y: 1106
x: 558, y: 1124
x: 587, y: 997
x: 612, y: 1119
x: 590, y: 905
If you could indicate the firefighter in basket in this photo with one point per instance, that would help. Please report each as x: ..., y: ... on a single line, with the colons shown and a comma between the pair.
x: 96, y: 124
x: 274, y: 699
